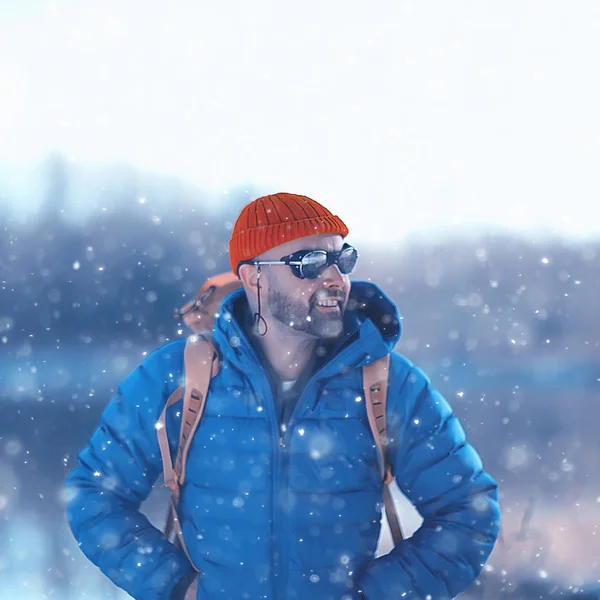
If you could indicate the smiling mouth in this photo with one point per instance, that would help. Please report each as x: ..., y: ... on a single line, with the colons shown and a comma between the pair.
x: 328, y: 305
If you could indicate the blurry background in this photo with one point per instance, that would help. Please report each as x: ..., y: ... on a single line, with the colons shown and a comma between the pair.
x: 459, y: 141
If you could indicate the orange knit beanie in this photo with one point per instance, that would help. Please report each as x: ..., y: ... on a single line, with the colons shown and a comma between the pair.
x: 272, y: 220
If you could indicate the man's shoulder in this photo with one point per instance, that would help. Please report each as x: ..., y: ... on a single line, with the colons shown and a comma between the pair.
x: 400, y: 366
x: 171, y: 350
x: 404, y: 373
x: 166, y: 361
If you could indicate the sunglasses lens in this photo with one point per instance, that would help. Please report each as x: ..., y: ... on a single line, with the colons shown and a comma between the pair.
x: 347, y: 260
x: 314, y: 264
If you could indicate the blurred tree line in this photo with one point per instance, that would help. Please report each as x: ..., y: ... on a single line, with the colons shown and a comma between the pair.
x: 147, y: 243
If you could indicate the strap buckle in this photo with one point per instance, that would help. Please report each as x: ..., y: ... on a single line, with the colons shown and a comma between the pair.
x: 173, y: 485
x: 388, y: 476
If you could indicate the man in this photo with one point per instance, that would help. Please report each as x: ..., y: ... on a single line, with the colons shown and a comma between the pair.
x: 283, y: 489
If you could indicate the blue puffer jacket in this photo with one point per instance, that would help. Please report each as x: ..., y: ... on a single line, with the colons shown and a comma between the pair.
x: 295, y: 518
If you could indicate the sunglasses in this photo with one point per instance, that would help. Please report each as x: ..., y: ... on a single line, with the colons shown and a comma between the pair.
x: 311, y: 264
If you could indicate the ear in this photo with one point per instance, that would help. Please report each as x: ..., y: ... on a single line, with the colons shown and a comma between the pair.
x: 249, y: 277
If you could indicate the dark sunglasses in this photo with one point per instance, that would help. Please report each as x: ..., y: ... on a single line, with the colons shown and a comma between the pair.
x: 310, y: 264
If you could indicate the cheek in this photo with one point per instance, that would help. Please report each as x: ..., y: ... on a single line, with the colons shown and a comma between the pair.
x: 302, y: 292
x: 347, y: 285
x: 294, y: 288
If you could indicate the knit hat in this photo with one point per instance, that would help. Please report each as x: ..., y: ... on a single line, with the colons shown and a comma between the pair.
x: 272, y: 220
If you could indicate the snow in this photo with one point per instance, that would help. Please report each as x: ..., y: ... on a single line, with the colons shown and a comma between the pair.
x: 506, y: 327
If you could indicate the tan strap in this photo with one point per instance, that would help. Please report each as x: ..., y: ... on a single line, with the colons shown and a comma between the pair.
x: 375, y: 379
x: 176, y: 526
x: 201, y: 364
x: 375, y: 384
x: 170, y: 477
x: 170, y: 524
x: 392, y: 514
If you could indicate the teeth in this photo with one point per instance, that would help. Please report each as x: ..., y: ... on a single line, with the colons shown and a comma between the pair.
x: 331, y: 303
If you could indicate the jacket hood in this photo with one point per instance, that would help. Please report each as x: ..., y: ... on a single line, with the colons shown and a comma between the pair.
x: 372, y: 328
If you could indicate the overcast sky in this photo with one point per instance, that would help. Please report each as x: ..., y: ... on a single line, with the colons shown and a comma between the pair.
x: 397, y: 115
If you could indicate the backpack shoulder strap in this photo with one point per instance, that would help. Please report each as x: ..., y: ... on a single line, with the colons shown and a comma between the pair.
x: 375, y: 384
x: 170, y: 479
x: 201, y: 363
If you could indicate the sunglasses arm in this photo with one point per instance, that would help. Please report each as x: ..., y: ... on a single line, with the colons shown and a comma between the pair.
x: 277, y: 262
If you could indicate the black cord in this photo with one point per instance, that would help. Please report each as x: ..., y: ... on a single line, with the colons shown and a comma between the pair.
x: 257, y: 316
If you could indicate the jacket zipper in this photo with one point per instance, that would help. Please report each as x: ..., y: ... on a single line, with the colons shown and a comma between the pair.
x: 276, y: 447
x: 300, y: 408
x: 283, y: 445
x: 279, y: 565
x: 283, y: 496
x: 284, y: 441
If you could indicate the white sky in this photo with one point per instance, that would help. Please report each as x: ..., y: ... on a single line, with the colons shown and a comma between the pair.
x: 396, y: 115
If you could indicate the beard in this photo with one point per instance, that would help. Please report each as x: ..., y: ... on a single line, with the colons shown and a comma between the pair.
x: 310, y: 320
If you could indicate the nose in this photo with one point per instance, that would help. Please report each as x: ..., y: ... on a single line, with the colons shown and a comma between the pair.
x: 333, y: 276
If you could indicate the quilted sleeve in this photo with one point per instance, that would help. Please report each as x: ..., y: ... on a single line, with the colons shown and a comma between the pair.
x: 115, y: 473
x: 443, y: 476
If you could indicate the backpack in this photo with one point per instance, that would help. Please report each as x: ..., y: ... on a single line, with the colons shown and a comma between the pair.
x: 201, y: 363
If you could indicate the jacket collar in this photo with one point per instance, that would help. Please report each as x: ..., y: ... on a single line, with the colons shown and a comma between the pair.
x: 372, y: 327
